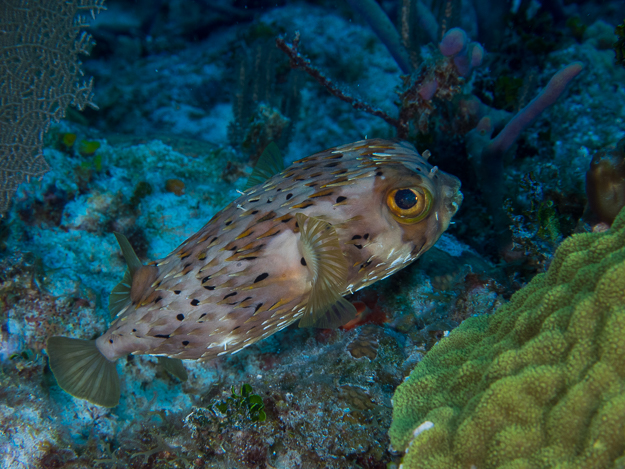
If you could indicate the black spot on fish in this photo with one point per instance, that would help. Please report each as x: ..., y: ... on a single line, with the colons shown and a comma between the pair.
x: 340, y: 199
x: 177, y: 292
x: 366, y: 236
x: 206, y: 279
x: 251, y: 258
x: 184, y: 257
x: 195, y: 302
x: 379, y: 173
x: 158, y: 298
x: 254, y: 212
x: 162, y: 336
x: 180, y: 317
x: 213, y: 240
x: 111, y: 341
x: 233, y: 248
x: 287, y: 220
x: 303, y: 261
x: 209, y: 287
x: 230, y: 294
x: 261, y: 277
x: 331, y: 165
x: 288, y: 196
x: 269, y: 200
x: 185, y: 343
x: 134, y: 330
x: 359, y: 246
x: 356, y: 237
x: 203, y: 314
x: 228, y: 223
x: 258, y: 306
x: 278, y: 189
x: 246, y: 298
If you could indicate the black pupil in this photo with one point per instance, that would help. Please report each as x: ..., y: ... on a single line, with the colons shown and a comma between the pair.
x: 405, y: 199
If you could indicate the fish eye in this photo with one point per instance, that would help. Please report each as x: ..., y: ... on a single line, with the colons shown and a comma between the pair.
x: 409, y: 204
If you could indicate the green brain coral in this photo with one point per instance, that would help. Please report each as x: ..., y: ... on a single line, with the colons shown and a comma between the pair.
x: 540, y: 383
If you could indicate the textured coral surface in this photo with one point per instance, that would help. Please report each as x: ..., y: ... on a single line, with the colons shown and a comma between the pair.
x: 540, y: 383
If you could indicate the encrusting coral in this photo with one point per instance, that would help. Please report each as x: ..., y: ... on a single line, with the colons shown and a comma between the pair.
x: 540, y: 383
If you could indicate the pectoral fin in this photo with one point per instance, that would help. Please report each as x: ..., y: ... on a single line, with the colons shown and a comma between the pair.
x: 322, y: 253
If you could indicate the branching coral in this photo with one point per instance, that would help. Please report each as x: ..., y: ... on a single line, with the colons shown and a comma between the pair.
x: 540, y: 383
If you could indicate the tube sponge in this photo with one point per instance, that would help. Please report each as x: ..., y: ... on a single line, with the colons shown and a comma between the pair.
x: 605, y: 184
x: 540, y: 383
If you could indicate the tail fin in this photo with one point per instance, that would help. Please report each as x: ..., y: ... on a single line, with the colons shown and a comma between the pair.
x: 82, y: 371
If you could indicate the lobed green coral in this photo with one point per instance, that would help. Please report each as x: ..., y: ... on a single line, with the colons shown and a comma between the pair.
x: 540, y: 383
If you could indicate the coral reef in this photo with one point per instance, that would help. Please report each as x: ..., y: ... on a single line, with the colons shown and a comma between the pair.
x: 538, y: 383
x: 189, y: 92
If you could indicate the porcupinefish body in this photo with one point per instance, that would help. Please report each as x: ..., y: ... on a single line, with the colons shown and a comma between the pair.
x: 287, y: 249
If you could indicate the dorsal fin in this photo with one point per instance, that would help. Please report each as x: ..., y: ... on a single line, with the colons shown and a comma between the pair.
x: 120, y: 295
x: 322, y: 253
x: 269, y: 164
x: 132, y: 260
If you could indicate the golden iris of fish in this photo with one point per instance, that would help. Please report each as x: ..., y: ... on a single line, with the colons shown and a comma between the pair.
x: 287, y: 249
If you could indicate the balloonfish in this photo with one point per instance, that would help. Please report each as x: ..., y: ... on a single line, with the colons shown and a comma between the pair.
x: 286, y: 250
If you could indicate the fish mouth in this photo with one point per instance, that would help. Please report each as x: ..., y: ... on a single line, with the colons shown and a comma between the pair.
x: 452, y: 196
x: 455, y: 201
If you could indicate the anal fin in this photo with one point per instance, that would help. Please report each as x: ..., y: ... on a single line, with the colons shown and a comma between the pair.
x: 174, y: 366
x: 322, y: 253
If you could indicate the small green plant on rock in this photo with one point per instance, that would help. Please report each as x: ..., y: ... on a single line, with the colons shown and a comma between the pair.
x: 246, y: 404
x: 234, y: 411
